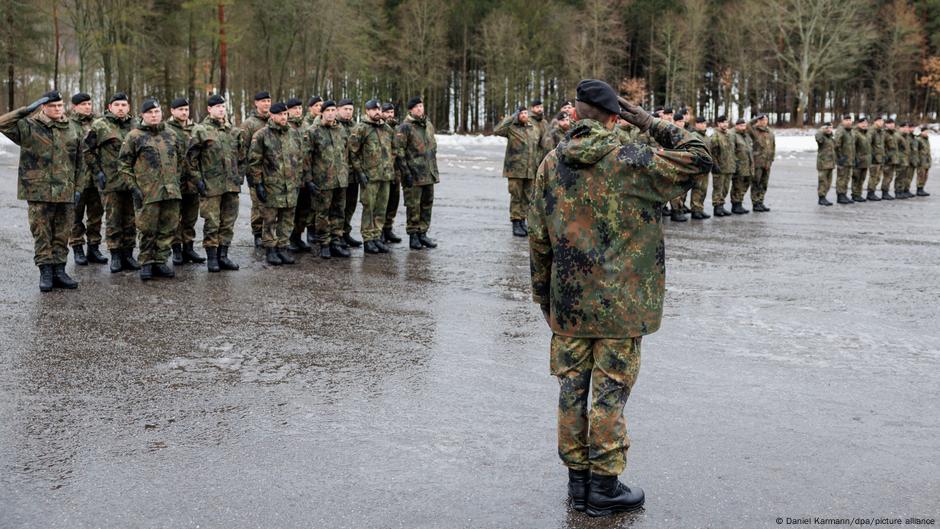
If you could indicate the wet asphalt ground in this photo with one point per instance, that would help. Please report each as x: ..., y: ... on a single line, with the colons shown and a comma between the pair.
x: 795, y: 375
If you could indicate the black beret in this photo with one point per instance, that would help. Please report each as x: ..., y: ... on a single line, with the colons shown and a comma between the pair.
x: 80, y: 98
x: 668, y: 110
x: 373, y: 103
x: 889, y: 120
x: 862, y: 119
x: 413, y: 102
x: 262, y: 95
x: 599, y: 94
x: 721, y: 119
x: 278, y: 108
x: 215, y: 99
x: 327, y: 104
x: 388, y: 106
x: 658, y: 109
x: 179, y: 102
x: 568, y: 103
x: 761, y: 116
x: 740, y: 121
x: 344, y: 102
x: 700, y: 119
x: 148, y: 105
x: 120, y: 96
x: 847, y: 116
x: 314, y: 100
x: 53, y: 96
x: 522, y: 108
x: 562, y: 115
x: 678, y: 116
x: 535, y: 102
x: 827, y: 124
x: 294, y: 102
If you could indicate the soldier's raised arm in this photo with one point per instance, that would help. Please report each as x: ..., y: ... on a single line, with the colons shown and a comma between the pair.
x: 502, y: 128
x: 11, y: 121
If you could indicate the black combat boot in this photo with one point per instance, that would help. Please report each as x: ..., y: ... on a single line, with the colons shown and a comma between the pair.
x: 381, y: 246
x: 298, y: 245
x: 858, y: 198
x: 62, y: 280
x: 842, y: 198
x: 129, y: 262
x: 117, y: 261
x: 351, y: 241
x: 325, y: 251
x: 94, y: 255
x: 224, y: 262
x: 872, y: 196
x: 426, y: 241
x: 390, y: 236
x: 257, y: 239
x: 607, y: 495
x: 578, y: 481
x: 824, y: 202
x: 760, y: 207
x: 45, y: 278
x: 517, y: 229
x: 146, y: 272
x: 700, y: 215
x: 922, y: 193
x: 678, y: 216
x: 213, y: 262
x: 414, y: 242
x: 285, y: 255
x: 737, y: 208
x: 718, y: 211
x: 190, y: 255
x: 370, y: 247
x: 272, y: 257
x: 177, y: 254
x: 337, y: 249
x: 78, y: 252
x: 162, y: 270
x: 886, y: 195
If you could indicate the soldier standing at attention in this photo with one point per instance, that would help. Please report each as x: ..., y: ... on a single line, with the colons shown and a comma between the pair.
x: 418, y: 166
x: 862, y: 158
x: 891, y: 159
x: 313, y: 111
x: 701, y: 181
x: 913, y: 160
x: 541, y: 125
x: 81, y: 117
x: 152, y: 160
x: 904, y: 161
x: 677, y: 207
x: 876, y: 169
x: 295, y: 113
x: 394, y: 191
x: 213, y: 159
x: 924, y: 157
x: 371, y: 162
x: 311, y: 120
x: 276, y: 168
x: 296, y: 241
x: 344, y: 116
x: 561, y: 124
x: 845, y: 159
x: 744, y: 168
x: 256, y: 121
x: 825, y: 161
x: 721, y: 146
x: 598, y: 273
x: 50, y: 166
x: 764, y: 151
x: 326, y: 176
x: 183, y: 251
x: 523, y: 155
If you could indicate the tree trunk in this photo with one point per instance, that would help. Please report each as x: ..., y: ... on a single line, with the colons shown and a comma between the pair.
x: 223, y: 51
x: 58, y: 40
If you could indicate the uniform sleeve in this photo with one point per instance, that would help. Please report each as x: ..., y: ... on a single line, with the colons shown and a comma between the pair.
x: 126, y: 160
x: 502, y: 128
x: 540, y: 244
x: 714, y: 147
x: 670, y: 170
x: 308, y: 156
x: 354, y: 149
x: 193, y: 152
x: 404, y: 133
x: 12, y: 125
x: 256, y: 159
x: 185, y: 169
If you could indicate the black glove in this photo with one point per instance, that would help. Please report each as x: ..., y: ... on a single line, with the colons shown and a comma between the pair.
x: 635, y: 115
x: 408, y: 178
x: 261, y: 192
x: 362, y: 178
x: 36, y: 104
x: 101, y: 180
x: 201, y: 187
x: 138, y: 198
x: 312, y: 188
x: 78, y: 197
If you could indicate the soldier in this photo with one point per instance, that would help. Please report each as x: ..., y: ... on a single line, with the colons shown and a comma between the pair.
x: 520, y: 163
x: 536, y: 113
x: 598, y: 273
x: 924, y: 157
x: 213, y: 159
x: 677, y: 209
x: 344, y: 115
x: 862, y: 158
x: 561, y: 124
x: 302, y: 210
x: 697, y: 198
x: 721, y: 145
x: 182, y: 247
x: 394, y: 191
x: 326, y: 174
x: 311, y: 120
x: 313, y: 111
x: 276, y: 168
x: 825, y: 161
x: 418, y: 165
x: 876, y: 169
x: 81, y: 116
x: 904, y: 161
x: 744, y: 167
x: 102, y: 147
x: 371, y: 161
x: 50, y: 166
x: 764, y: 151
x: 891, y: 159
x: 845, y: 159
x: 913, y: 160
x: 295, y: 113
x: 257, y: 120
x: 152, y: 161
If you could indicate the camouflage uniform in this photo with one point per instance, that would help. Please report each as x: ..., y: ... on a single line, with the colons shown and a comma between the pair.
x: 721, y: 145
x: 876, y: 170
x: 50, y: 165
x: 189, y: 205
x: 394, y: 190
x: 418, y: 149
x: 250, y: 126
x: 520, y: 163
x: 327, y: 165
x: 102, y: 146
x: 152, y: 159
x: 700, y: 189
x: 904, y: 163
x: 90, y: 202
x: 627, y: 134
x: 352, y: 187
x: 598, y: 272
x: 925, y: 161
x: 862, y: 160
x: 825, y: 161
x: 913, y: 160
x: 302, y: 213
x: 276, y: 160
x: 543, y: 130
x: 845, y: 158
x: 744, y: 166
x: 556, y: 134
x: 213, y: 159
x: 891, y: 160
x: 764, y: 152
x: 370, y: 153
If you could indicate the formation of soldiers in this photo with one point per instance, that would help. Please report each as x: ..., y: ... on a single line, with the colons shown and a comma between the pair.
x: 881, y: 151
x: 150, y: 179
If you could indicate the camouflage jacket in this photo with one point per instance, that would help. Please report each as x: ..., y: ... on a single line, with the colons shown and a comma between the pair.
x: 923, y: 151
x: 627, y: 133
x: 703, y: 137
x: 370, y: 150
x: 152, y: 159
x: 276, y: 160
x: 82, y: 124
x: 556, y: 134
x: 252, y: 124
x: 102, y: 147
x: 308, y: 121
x: 891, y: 147
x: 50, y: 156
x: 764, y: 143
x: 326, y: 156
x: 862, y: 147
x: 598, y: 259
x: 913, y: 150
x: 721, y: 146
x: 845, y: 147
x: 543, y: 129
x: 297, y: 123
x: 743, y: 154
x: 826, y: 154
x: 418, y: 148
x: 213, y: 157
x: 184, y: 131
x: 877, y: 136
x: 523, y: 149
x: 904, y: 149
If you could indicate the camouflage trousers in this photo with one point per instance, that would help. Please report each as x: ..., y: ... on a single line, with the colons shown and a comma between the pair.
x: 759, y: 183
x: 157, y: 223
x: 328, y: 214
x: 698, y: 192
x: 302, y: 213
x: 420, y: 201
x: 189, y: 214
x: 843, y: 175
x: 520, y: 195
x: 739, y: 186
x: 256, y: 206
x: 887, y: 178
x: 90, y: 205
x: 50, y: 224
x: 858, y: 180
x: 120, y: 229
x: 825, y: 182
x: 349, y: 209
x: 218, y: 224
x: 276, y: 226
x: 922, y: 176
x: 374, y: 198
x: 594, y: 438
x: 721, y: 186
x: 902, y: 179
x: 394, y: 200
x: 875, y: 173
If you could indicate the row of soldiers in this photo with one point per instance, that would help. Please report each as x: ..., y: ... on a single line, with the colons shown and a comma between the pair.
x: 881, y: 151
x: 151, y: 179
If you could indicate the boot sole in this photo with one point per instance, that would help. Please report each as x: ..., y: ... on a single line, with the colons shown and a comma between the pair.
x: 597, y: 513
x: 578, y: 505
